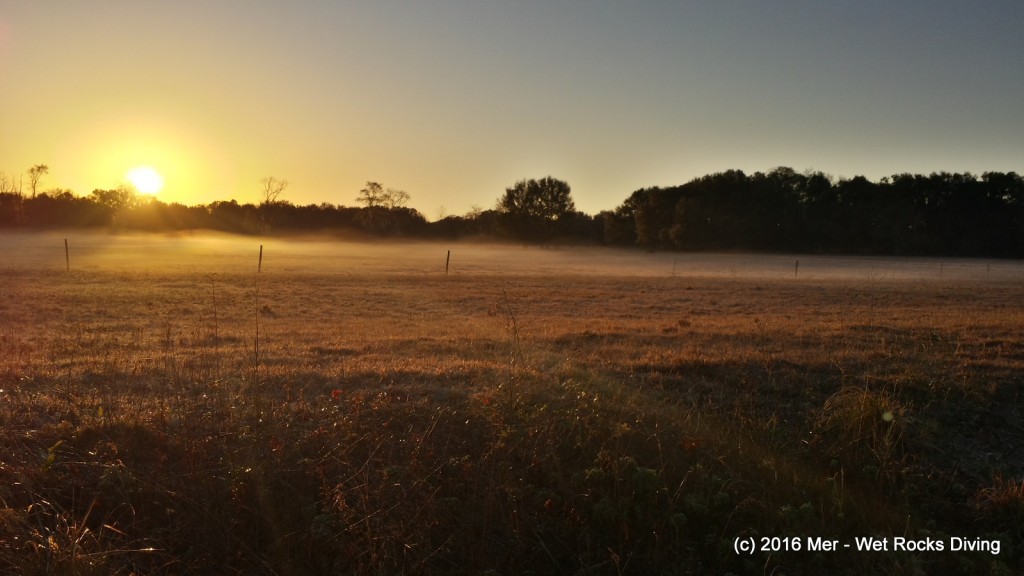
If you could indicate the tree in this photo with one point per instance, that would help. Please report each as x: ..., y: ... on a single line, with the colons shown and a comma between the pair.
x: 536, y: 209
x: 272, y: 189
x: 116, y: 199
x: 9, y: 186
x: 395, y: 198
x: 35, y: 173
x: 385, y: 211
x: 372, y: 196
x: 375, y: 196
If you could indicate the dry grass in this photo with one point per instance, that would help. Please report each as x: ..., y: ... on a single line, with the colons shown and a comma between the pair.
x: 395, y: 420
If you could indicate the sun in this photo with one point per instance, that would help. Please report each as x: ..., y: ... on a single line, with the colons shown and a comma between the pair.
x: 146, y: 180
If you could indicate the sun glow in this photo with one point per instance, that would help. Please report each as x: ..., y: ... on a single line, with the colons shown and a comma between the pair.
x: 146, y: 180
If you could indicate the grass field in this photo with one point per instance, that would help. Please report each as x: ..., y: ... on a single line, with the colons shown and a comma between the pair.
x: 353, y: 409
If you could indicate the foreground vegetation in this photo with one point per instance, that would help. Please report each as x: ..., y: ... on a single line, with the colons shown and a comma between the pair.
x: 197, y: 417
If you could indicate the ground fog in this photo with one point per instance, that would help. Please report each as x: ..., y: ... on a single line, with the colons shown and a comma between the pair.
x: 203, y: 252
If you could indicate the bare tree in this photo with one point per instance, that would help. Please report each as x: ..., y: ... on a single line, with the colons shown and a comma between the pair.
x: 375, y: 196
x: 272, y: 189
x: 8, y: 185
x: 36, y: 173
x: 395, y: 198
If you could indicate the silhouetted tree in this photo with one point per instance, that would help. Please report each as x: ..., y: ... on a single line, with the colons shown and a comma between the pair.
x: 36, y: 173
x: 943, y: 213
x: 818, y: 213
x: 395, y: 198
x: 1004, y: 220
x: 620, y: 224
x: 114, y: 202
x: 63, y: 208
x: 477, y: 223
x: 385, y: 211
x: 115, y: 199
x: 8, y: 185
x: 654, y: 217
x: 372, y: 195
x: 272, y: 188
x: 937, y: 214
x: 271, y: 205
x: 10, y: 209
x: 536, y: 210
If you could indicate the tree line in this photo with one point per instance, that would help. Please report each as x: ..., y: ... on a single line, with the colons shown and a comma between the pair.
x: 532, y: 211
x: 781, y: 210
x: 123, y: 208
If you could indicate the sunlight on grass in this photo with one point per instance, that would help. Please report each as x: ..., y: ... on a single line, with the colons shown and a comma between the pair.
x: 396, y: 420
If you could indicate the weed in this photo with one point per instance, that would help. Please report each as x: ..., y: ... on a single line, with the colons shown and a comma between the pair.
x: 863, y: 428
x: 1001, y: 506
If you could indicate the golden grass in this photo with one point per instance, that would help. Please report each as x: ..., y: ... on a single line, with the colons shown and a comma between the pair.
x: 395, y: 420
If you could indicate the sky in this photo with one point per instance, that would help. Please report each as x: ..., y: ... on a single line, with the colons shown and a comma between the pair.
x: 453, y: 101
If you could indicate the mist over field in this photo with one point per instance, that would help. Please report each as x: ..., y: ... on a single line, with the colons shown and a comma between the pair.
x: 206, y: 252
x: 351, y: 408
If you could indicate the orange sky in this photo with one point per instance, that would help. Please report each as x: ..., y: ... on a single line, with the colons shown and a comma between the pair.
x: 455, y: 100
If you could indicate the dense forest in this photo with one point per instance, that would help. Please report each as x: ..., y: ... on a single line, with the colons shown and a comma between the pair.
x: 782, y: 210
x: 941, y: 214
